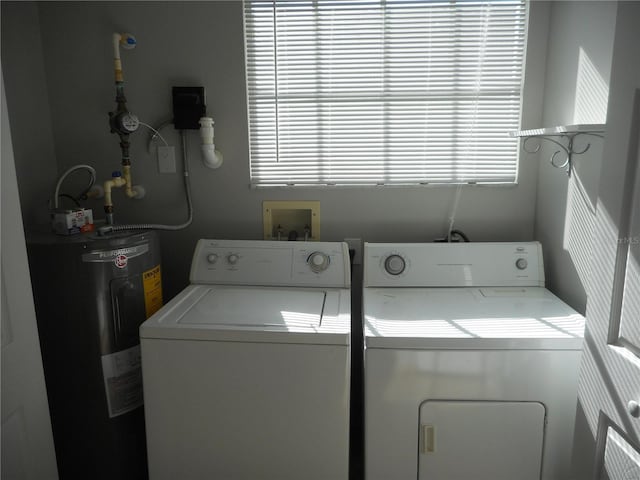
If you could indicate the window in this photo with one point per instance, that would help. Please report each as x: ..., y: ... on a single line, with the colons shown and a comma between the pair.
x: 383, y: 92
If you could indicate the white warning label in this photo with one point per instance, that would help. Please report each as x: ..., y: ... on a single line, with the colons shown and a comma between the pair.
x: 123, y: 380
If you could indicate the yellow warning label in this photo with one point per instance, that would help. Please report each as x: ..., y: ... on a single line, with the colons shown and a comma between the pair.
x: 152, y: 283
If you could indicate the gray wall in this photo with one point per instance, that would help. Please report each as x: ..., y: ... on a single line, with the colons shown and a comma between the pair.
x: 28, y: 106
x: 201, y: 43
x: 579, y: 55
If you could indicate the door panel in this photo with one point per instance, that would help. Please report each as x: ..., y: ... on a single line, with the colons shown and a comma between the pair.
x: 607, y: 436
x: 27, y: 442
x: 621, y: 459
x: 629, y: 332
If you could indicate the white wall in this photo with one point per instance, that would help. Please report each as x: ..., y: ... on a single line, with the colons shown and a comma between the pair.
x: 201, y: 43
x: 576, y: 90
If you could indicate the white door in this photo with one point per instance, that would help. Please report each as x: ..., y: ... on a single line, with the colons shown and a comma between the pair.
x: 608, y: 422
x: 27, y: 442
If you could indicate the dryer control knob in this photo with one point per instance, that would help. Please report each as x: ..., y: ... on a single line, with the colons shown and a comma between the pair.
x: 521, y: 263
x: 394, y: 264
x: 212, y: 258
x: 318, y: 261
x: 233, y: 258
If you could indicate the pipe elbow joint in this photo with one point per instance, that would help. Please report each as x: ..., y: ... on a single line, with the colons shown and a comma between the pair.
x: 109, y: 185
x: 211, y: 157
x: 113, y: 183
x: 136, y: 191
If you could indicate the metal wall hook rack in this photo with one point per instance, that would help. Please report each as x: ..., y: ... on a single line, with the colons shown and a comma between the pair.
x: 556, y: 135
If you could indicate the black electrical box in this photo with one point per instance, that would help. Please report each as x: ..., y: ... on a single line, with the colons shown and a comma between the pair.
x: 188, y: 107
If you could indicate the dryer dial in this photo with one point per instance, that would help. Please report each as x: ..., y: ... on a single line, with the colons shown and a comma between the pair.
x: 212, y: 258
x: 233, y: 258
x: 521, y: 263
x: 394, y: 264
x: 318, y: 262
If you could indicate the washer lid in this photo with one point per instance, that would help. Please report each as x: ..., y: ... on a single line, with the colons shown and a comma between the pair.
x: 257, y: 307
x: 254, y: 314
x: 470, y: 318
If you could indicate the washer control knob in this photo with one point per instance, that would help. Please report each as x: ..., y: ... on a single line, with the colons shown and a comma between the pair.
x: 394, y: 264
x: 318, y: 262
x: 212, y: 258
x: 633, y: 408
x: 233, y: 258
x: 521, y: 263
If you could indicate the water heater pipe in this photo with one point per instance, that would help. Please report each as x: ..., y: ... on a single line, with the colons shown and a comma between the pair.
x: 155, y: 226
x: 127, y: 41
x: 131, y: 190
x: 123, y: 123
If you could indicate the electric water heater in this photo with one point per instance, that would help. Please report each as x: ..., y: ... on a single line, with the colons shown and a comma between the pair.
x: 91, y: 295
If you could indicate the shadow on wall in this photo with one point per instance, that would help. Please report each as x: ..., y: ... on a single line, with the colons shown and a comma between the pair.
x: 592, y: 93
x: 580, y: 216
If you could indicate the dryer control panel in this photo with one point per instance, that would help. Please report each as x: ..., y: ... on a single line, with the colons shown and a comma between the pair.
x: 453, y: 264
x: 271, y: 263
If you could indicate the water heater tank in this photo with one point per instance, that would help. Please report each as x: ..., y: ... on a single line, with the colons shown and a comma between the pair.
x: 91, y: 295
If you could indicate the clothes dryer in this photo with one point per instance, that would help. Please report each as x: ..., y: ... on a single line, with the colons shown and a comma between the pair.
x: 471, y: 365
x: 246, y: 372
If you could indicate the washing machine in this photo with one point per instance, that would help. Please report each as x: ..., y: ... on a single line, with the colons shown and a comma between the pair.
x: 471, y: 364
x: 246, y: 372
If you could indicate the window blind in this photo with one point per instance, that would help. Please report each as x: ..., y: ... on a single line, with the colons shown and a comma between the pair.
x: 366, y: 92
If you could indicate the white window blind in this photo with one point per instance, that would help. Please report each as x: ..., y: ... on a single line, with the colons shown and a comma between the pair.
x: 366, y: 92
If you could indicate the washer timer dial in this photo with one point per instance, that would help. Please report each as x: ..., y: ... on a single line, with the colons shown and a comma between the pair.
x: 318, y: 262
x: 394, y: 264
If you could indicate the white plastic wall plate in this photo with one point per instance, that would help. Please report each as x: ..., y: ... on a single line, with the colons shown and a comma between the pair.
x: 166, y: 159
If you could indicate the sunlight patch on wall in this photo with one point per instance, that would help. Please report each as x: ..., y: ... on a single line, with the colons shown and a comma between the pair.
x: 578, y: 228
x: 592, y: 93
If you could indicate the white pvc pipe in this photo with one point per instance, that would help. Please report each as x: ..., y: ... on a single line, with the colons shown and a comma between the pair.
x: 127, y: 41
x: 116, y: 46
x: 210, y: 156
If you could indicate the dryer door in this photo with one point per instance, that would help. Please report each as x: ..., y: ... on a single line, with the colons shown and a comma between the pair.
x: 480, y: 440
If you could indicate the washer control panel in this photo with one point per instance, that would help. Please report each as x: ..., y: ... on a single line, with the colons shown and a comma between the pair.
x: 271, y: 263
x: 453, y: 264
